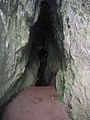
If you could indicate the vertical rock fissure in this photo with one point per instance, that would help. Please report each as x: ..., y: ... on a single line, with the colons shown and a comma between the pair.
x: 42, y: 40
x: 47, y: 50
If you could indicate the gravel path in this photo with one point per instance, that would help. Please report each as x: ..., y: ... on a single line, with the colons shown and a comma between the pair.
x: 36, y: 103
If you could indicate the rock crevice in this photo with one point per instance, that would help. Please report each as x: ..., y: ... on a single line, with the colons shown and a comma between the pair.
x: 61, y: 28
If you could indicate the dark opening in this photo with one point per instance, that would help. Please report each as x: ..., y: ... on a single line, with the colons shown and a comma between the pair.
x: 44, y: 47
x: 44, y: 30
x: 42, y: 55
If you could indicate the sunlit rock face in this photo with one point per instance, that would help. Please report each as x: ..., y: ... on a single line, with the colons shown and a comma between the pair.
x: 76, y: 23
x: 69, y: 54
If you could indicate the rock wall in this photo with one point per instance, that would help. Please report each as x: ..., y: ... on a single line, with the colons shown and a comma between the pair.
x: 14, y: 36
x: 76, y: 23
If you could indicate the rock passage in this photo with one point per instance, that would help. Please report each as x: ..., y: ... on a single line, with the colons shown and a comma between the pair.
x: 36, y: 103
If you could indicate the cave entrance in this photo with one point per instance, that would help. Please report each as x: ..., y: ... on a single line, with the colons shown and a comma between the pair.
x: 44, y: 62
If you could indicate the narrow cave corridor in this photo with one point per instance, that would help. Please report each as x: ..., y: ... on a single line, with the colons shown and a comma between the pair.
x: 44, y: 51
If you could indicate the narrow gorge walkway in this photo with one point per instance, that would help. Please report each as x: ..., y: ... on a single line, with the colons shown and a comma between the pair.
x: 36, y: 103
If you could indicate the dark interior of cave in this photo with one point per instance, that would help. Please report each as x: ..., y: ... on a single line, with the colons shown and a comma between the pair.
x: 42, y: 55
x: 43, y: 42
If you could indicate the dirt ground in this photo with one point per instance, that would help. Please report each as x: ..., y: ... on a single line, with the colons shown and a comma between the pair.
x: 36, y: 103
